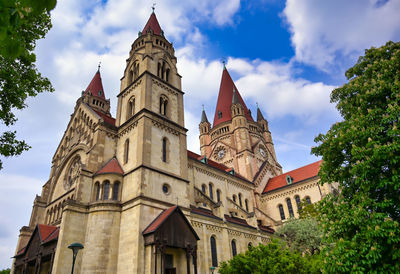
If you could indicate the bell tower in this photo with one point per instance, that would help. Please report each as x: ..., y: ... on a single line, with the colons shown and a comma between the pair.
x: 150, y: 115
x: 235, y: 139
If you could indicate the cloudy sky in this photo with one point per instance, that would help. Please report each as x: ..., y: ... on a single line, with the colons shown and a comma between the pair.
x: 287, y: 56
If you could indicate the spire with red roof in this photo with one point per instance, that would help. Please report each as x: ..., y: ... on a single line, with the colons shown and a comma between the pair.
x: 225, y: 99
x: 95, y: 88
x: 153, y: 26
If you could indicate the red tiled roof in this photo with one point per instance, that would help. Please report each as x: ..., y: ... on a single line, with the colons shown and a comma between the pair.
x: 21, y: 251
x: 45, y: 231
x: 52, y: 236
x: 224, y: 102
x: 238, y: 221
x: 297, y: 175
x: 203, y: 211
x: 159, y: 220
x: 266, y: 228
x: 108, y: 119
x: 96, y: 86
x: 214, y: 164
x: 153, y: 24
x: 112, y: 166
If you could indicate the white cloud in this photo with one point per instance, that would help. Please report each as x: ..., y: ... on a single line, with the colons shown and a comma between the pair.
x: 324, y: 31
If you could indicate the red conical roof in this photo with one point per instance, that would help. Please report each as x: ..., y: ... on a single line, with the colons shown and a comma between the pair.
x: 153, y: 24
x: 96, y: 86
x: 111, y: 166
x: 224, y: 102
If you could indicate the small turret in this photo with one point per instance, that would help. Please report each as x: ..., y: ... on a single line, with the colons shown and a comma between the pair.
x: 94, y: 95
x: 204, y: 128
x: 266, y: 133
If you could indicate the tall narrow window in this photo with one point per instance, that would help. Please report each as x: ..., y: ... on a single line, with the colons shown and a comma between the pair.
x: 246, y: 203
x: 240, y: 200
x: 289, y: 206
x: 218, y: 195
x: 214, y: 251
x: 159, y: 70
x: 115, y: 191
x: 234, y: 198
x: 131, y: 108
x: 126, y: 151
x: 97, y: 189
x: 163, y: 105
x: 106, y: 191
x: 167, y: 75
x: 282, y: 212
x: 165, y: 108
x: 164, y: 149
x: 308, y: 200
x: 234, y: 252
x: 298, y: 202
x: 203, y: 189
x: 210, y: 189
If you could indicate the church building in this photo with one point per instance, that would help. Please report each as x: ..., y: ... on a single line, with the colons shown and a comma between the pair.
x: 130, y: 192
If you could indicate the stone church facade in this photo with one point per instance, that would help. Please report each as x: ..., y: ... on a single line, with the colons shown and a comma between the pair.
x: 127, y: 188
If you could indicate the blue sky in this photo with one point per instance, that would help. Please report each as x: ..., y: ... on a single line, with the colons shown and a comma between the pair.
x: 286, y: 56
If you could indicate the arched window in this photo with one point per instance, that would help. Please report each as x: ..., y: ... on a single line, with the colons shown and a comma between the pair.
x: 298, y: 202
x: 159, y: 70
x: 214, y: 258
x: 106, y: 190
x: 115, y: 191
x: 164, y: 149
x: 97, y: 190
x: 203, y: 189
x: 234, y: 252
x: 289, y: 206
x: 234, y: 198
x: 126, y: 151
x: 163, y: 105
x: 281, y: 212
x: 240, y: 200
x: 308, y: 200
x: 246, y: 203
x: 167, y: 75
x: 131, y: 108
x: 211, y: 192
x: 250, y: 245
x: 218, y: 195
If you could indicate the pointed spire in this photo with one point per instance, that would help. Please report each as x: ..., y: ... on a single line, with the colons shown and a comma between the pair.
x: 260, y: 117
x: 152, y: 24
x: 204, y: 117
x: 95, y: 88
x: 226, y: 98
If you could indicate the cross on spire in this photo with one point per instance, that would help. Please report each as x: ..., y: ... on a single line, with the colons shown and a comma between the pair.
x: 153, y: 7
x: 98, y: 67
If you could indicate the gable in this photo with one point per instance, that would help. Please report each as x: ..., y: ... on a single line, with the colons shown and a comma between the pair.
x: 173, y: 227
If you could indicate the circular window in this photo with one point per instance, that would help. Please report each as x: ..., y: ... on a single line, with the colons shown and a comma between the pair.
x: 166, y: 188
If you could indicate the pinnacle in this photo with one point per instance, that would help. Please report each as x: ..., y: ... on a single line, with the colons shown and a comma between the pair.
x: 204, y: 117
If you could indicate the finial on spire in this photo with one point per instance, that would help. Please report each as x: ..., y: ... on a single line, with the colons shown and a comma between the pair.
x: 257, y: 104
x: 98, y: 67
x: 202, y: 106
x: 153, y: 7
x: 223, y: 61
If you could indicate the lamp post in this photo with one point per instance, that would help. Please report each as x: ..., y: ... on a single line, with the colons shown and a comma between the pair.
x: 75, y: 248
x: 212, y: 269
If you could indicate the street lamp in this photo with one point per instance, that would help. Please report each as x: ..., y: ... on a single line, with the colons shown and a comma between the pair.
x: 75, y: 248
x: 212, y: 269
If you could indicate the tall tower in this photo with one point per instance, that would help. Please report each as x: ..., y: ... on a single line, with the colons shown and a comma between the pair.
x: 151, y: 144
x: 235, y: 139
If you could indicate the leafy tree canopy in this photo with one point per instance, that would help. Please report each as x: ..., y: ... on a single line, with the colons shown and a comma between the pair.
x: 302, y: 235
x: 362, y: 154
x: 274, y: 257
x: 21, y: 24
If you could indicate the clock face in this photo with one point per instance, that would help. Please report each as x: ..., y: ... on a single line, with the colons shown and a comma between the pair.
x: 72, y: 174
x: 262, y: 152
x: 221, y: 154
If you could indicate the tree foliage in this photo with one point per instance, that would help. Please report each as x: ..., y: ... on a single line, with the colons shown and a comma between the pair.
x: 5, y: 271
x: 21, y: 24
x: 274, y: 257
x: 301, y: 235
x: 362, y: 154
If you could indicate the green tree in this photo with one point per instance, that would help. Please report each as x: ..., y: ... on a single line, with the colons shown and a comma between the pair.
x: 21, y: 24
x: 362, y: 154
x: 274, y: 257
x: 5, y: 271
x: 302, y: 235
